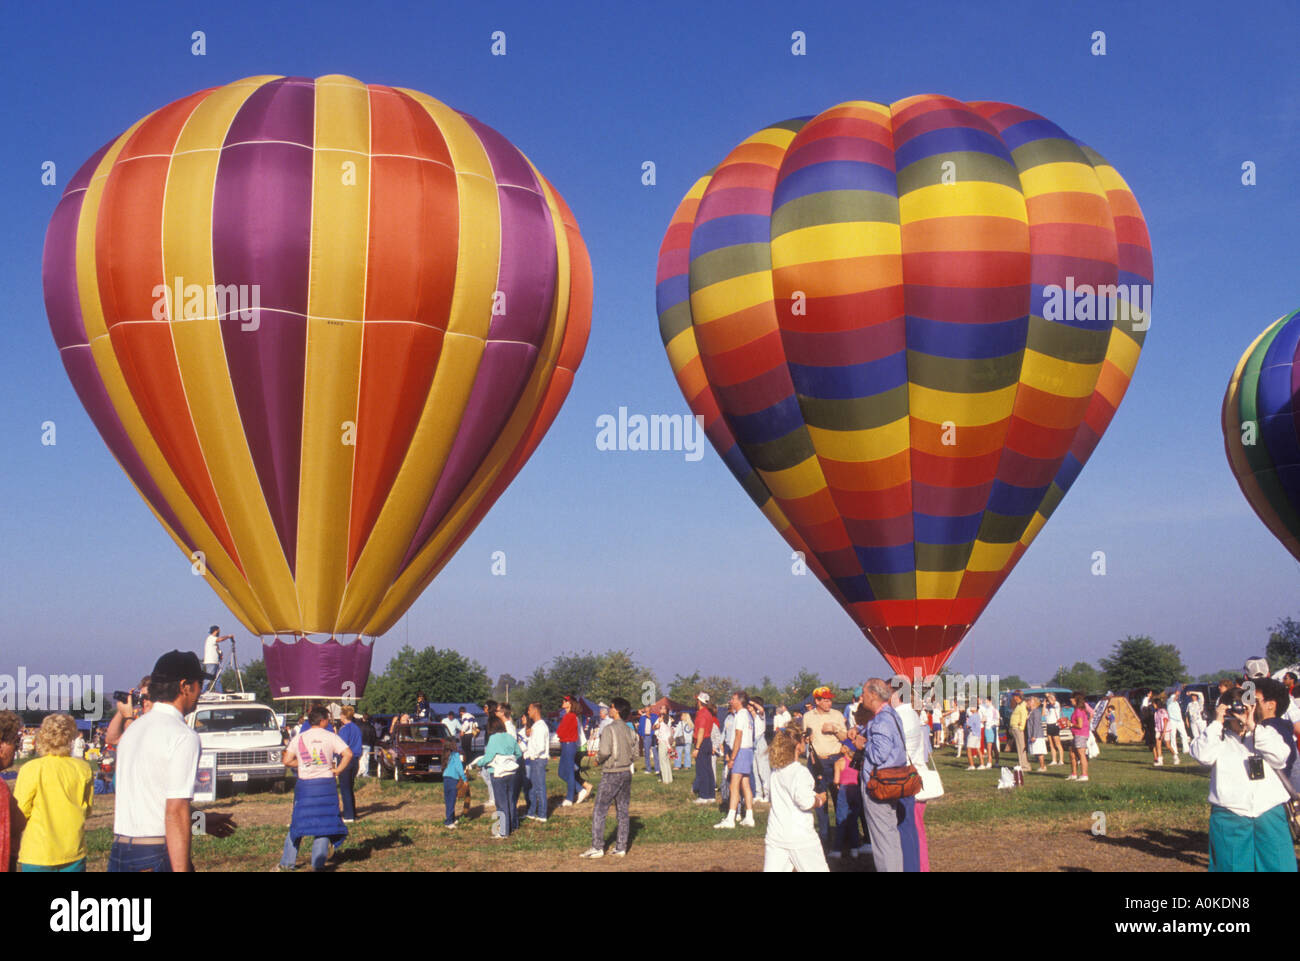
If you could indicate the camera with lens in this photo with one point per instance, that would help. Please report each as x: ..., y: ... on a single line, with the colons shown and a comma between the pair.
x: 1255, y: 767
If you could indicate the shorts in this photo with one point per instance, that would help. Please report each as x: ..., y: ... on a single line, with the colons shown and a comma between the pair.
x: 1053, y: 730
x: 744, y: 763
x: 990, y: 735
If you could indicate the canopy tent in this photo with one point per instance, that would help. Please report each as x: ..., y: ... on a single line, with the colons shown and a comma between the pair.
x: 1128, y: 727
x: 668, y: 704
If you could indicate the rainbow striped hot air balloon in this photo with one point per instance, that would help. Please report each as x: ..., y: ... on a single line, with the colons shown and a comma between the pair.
x: 1261, y: 423
x: 906, y: 327
x: 321, y: 325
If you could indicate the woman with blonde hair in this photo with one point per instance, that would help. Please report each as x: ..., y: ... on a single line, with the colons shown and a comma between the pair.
x: 11, y: 819
x: 792, y: 842
x: 54, y: 793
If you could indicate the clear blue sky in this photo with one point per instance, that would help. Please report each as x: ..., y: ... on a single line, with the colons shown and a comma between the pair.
x: 648, y: 551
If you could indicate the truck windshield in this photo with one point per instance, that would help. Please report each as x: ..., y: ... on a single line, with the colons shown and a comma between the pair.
x: 227, y: 719
x: 421, y: 732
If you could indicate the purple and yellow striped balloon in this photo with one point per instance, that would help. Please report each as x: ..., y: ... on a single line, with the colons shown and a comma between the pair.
x: 882, y: 313
x: 321, y: 325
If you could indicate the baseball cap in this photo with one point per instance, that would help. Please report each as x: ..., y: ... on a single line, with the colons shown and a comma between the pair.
x: 822, y: 692
x: 1256, y: 667
x: 702, y: 697
x: 178, y: 666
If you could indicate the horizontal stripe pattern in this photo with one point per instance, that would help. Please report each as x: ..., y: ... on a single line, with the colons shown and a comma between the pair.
x: 864, y: 306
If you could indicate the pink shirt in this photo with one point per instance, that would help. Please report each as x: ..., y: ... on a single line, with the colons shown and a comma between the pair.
x: 316, y: 748
x: 1081, y: 721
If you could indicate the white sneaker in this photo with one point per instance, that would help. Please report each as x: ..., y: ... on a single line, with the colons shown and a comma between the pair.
x: 620, y: 854
x: 703, y: 800
x: 592, y: 853
x: 834, y: 854
x: 582, y: 795
x: 1159, y: 763
x: 566, y: 803
x: 971, y: 768
x: 749, y: 820
x: 1084, y: 778
x: 727, y: 822
x: 1178, y: 760
x: 1073, y: 777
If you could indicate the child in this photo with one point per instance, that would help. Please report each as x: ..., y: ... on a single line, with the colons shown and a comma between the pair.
x: 1162, y: 726
x: 848, y: 804
x: 792, y: 843
x: 974, y: 736
x: 453, y: 776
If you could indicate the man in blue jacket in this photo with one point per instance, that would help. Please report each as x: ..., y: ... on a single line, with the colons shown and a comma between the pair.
x: 645, y: 727
x: 350, y: 732
x: 882, y: 745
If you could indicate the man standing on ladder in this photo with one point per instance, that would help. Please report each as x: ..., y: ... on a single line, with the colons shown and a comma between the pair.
x: 212, y: 656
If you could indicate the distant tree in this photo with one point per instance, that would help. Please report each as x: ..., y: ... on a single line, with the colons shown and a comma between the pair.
x: 1213, y: 677
x: 1283, y: 644
x: 1012, y: 682
x: 683, y: 688
x: 1141, y: 662
x: 1081, y: 677
x: 505, y: 689
x: 618, y: 675
x: 443, y: 675
x: 719, y: 689
x: 801, y: 686
x: 255, y: 680
x: 564, y: 674
x: 767, y: 690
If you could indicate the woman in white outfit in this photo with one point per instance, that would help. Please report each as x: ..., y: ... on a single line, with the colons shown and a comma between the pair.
x: 762, y: 763
x: 792, y: 843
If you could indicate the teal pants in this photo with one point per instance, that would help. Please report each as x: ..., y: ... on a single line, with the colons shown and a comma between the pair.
x: 73, y: 867
x: 1240, y: 843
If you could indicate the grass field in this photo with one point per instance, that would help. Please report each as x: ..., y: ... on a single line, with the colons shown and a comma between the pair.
x: 1154, y: 819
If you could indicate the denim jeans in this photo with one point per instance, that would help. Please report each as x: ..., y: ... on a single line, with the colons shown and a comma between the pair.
x: 568, y: 758
x: 821, y: 815
x: 501, y: 797
x: 516, y: 786
x: 648, y: 748
x: 320, y: 850
x: 537, y: 796
x: 703, y: 785
x: 346, y: 791
x: 683, y: 756
x: 848, y: 808
x: 449, y: 789
x: 135, y: 858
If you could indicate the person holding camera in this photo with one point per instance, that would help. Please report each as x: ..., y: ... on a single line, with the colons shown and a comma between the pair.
x: 1249, y: 830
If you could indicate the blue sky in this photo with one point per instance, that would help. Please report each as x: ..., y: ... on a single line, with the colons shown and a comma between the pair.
x: 648, y: 551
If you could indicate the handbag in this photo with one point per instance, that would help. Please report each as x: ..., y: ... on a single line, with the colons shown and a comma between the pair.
x: 894, y: 783
x: 931, y: 785
x: 1290, y: 804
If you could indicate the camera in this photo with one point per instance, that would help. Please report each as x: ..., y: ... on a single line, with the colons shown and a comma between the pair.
x: 1255, y: 767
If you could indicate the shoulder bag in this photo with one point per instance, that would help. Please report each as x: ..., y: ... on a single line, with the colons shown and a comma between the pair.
x: 894, y: 783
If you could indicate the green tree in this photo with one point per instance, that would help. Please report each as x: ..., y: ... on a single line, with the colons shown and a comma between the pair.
x: 255, y: 681
x: 1081, y: 677
x: 443, y: 675
x: 683, y: 688
x: 719, y: 690
x: 1141, y: 662
x: 564, y: 674
x: 801, y: 686
x: 768, y: 691
x: 618, y: 675
x: 1213, y: 677
x: 1012, y: 682
x: 1283, y: 644
x: 507, y: 689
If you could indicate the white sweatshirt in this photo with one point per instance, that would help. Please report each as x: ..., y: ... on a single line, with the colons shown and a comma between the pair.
x: 790, y: 821
x: 1230, y: 785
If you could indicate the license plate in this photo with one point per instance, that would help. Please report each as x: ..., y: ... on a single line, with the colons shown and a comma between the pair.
x: 435, y: 767
x: 239, y: 776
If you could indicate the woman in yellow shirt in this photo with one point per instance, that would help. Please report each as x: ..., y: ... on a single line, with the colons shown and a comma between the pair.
x: 54, y: 792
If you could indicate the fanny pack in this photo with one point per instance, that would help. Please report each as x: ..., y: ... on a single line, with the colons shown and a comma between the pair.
x: 894, y: 783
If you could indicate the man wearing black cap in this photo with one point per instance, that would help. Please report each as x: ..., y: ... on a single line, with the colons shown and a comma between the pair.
x: 157, y: 760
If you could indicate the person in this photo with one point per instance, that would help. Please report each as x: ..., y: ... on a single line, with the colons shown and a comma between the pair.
x: 1036, y: 732
x: 989, y: 718
x: 663, y: 729
x: 12, y: 821
x: 136, y: 704
x: 157, y: 761
x: 1160, y: 719
x: 54, y: 793
x: 850, y: 709
x: 593, y: 739
x: 792, y: 842
x: 826, y: 729
x: 703, y: 786
x: 1248, y: 821
x: 468, y: 728
x: 568, y: 732
x: 1147, y: 715
x: 1052, y: 722
x: 350, y: 734
x: 781, y: 718
x: 1271, y: 704
x: 645, y: 727
x: 489, y: 712
x: 1195, y: 715
x: 316, y: 794
x: 883, y: 746
x: 1112, y: 733
x: 911, y: 830
x: 537, y: 753
x: 421, y: 712
x: 740, y: 762
x: 959, y: 730
x: 684, y: 732
x: 848, y: 802
x: 762, y: 763
x: 452, y: 724
x: 1176, y: 727
x: 79, y: 746
x: 453, y: 776
x: 500, y: 757
x: 1080, y: 725
x: 212, y: 656
x: 1019, y: 720
x: 617, y: 749
x: 974, y: 738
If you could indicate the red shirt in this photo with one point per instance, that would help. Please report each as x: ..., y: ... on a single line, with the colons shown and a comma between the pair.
x: 567, y: 730
x: 704, y: 722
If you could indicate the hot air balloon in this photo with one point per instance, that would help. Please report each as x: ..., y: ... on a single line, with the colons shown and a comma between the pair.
x: 906, y: 327
x: 1260, y: 429
x: 321, y: 325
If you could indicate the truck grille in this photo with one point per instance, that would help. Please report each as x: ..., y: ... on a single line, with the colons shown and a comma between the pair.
x: 245, y: 758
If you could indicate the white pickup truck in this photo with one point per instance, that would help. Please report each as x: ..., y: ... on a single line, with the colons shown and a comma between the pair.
x: 246, y: 738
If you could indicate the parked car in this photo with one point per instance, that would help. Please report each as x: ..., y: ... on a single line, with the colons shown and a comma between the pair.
x: 418, y: 749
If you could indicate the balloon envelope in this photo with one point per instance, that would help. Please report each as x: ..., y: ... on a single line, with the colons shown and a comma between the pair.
x: 321, y: 325
x: 1261, y: 424
x: 906, y: 327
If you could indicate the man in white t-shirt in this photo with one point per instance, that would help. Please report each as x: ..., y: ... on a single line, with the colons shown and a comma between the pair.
x: 740, y: 764
x: 781, y: 718
x: 212, y: 654
x: 157, y: 761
